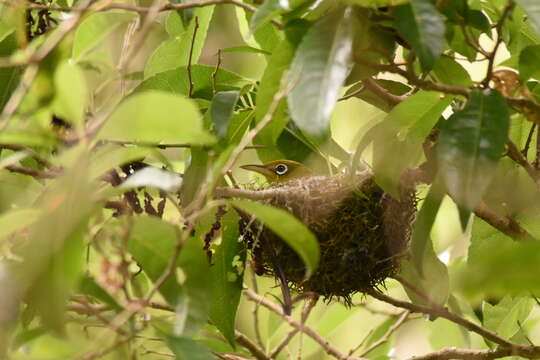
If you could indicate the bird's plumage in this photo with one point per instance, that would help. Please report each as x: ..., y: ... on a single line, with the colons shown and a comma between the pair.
x: 280, y: 171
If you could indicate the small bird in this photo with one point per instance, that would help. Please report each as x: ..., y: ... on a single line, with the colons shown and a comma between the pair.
x: 280, y: 171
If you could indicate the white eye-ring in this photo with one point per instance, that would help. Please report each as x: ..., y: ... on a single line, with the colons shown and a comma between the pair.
x: 281, y: 169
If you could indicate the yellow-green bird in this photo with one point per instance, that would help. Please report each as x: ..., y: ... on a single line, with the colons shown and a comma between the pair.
x: 280, y: 171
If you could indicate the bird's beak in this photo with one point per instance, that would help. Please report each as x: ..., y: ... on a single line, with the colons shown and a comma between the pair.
x: 258, y: 169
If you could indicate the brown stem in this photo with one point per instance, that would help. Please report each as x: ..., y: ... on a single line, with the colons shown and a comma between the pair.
x: 188, y: 68
x: 325, y: 344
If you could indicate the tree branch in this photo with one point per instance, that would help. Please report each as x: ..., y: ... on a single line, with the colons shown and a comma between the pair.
x: 250, y: 346
x: 325, y: 344
x: 491, y: 58
x: 524, y: 350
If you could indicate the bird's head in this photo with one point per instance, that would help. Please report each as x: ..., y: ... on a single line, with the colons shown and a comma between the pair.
x: 280, y: 171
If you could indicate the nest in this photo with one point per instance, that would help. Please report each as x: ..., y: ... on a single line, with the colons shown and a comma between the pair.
x: 363, y: 234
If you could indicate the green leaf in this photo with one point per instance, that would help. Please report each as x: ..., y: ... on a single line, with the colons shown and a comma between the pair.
x: 376, y: 3
x: 424, y: 270
x: 175, y: 52
x: 263, y: 15
x: 270, y: 84
x: 498, y: 265
x: 174, y: 25
x: 246, y: 49
x: 532, y: 9
x: 420, y: 239
x: 449, y: 71
x: 94, y: 29
x: 319, y: 69
x: 505, y: 317
x: 195, y: 175
x: 176, y: 81
x: 238, y: 125
x: 376, y: 335
x: 156, y: 116
x: 151, y: 243
x: 422, y: 26
x: 188, y: 349
x: 221, y: 110
x: 109, y: 156
x: 9, y: 77
x: 403, y: 132
x: 16, y: 220
x: 394, y: 87
x: 471, y: 143
x: 71, y: 93
x: 288, y: 228
x: 528, y: 62
x: 227, y: 275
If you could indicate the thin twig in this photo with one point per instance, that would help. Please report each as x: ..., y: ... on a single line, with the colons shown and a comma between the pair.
x: 525, y: 150
x: 34, y: 59
x: 506, y: 13
x: 256, y: 323
x: 325, y: 344
x: 403, y: 317
x: 290, y: 335
x: 383, y: 93
x: 439, y: 311
x: 188, y: 67
x: 255, y: 350
x: 465, y: 354
x: 516, y: 155
x: 38, y: 174
x: 215, y: 72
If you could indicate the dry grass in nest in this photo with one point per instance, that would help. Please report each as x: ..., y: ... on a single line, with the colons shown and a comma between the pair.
x: 363, y: 234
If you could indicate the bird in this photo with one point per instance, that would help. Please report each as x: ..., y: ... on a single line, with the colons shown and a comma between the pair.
x: 280, y: 171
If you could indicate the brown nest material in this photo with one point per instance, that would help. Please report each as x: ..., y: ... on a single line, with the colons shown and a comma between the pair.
x: 363, y: 234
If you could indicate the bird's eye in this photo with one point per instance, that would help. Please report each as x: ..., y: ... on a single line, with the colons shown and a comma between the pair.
x: 281, y: 169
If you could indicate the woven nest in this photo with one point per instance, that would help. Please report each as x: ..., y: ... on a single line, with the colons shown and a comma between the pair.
x: 363, y: 234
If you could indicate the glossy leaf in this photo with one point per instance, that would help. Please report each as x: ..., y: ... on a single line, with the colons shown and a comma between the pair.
x: 471, y: 143
x: 449, y: 71
x: 221, y: 110
x: 319, y: 69
x: 288, y: 228
x: 227, y: 275
x: 174, y: 120
x: 422, y: 26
